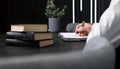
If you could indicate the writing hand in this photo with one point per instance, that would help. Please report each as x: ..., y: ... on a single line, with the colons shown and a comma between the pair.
x: 83, y: 29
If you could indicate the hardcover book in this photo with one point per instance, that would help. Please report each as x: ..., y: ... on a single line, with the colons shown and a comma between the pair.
x: 29, y: 27
x: 16, y: 42
x: 29, y: 35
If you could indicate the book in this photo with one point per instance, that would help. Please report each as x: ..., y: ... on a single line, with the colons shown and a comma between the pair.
x: 29, y: 27
x: 70, y: 36
x: 16, y: 42
x: 33, y: 36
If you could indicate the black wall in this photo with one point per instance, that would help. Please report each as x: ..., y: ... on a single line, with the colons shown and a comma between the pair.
x: 32, y: 11
x: 85, y: 14
x: 4, y: 14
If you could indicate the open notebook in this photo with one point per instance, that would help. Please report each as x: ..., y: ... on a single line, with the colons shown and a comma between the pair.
x: 68, y: 36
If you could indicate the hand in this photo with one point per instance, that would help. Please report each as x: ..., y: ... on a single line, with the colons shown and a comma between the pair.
x: 83, y: 29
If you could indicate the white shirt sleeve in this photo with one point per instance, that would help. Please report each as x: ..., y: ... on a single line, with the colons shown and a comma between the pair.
x: 108, y: 26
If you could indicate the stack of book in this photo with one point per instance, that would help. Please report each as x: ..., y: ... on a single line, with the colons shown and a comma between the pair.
x: 31, y: 35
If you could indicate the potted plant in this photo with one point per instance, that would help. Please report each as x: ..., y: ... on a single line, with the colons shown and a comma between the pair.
x: 54, y: 14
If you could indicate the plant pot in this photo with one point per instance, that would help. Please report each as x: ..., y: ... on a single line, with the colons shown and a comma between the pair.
x: 54, y: 24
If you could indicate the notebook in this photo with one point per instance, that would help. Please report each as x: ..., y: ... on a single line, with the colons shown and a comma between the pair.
x: 68, y: 36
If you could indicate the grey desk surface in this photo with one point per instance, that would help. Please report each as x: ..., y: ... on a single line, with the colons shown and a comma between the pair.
x: 58, y: 47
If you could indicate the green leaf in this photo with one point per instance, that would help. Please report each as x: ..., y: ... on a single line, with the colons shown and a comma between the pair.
x: 52, y: 11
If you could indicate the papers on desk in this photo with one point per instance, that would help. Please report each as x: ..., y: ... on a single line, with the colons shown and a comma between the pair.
x: 68, y: 36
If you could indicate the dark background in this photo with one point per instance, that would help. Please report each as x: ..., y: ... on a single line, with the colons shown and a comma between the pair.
x: 32, y: 11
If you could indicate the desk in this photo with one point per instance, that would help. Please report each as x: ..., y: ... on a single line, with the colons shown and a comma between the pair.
x: 58, y: 47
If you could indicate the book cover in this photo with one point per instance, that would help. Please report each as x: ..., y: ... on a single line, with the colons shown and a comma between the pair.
x: 16, y: 42
x: 29, y: 27
x: 33, y: 36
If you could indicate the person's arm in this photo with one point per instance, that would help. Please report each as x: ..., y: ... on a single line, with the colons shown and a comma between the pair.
x: 108, y: 26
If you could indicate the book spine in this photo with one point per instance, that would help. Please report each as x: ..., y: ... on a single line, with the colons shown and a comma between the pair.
x: 20, y: 35
x: 16, y: 42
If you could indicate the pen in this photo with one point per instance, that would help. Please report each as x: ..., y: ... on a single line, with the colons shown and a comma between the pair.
x: 82, y: 24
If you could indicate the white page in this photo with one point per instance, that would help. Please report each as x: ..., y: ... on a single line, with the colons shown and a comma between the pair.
x: 70, y: 35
